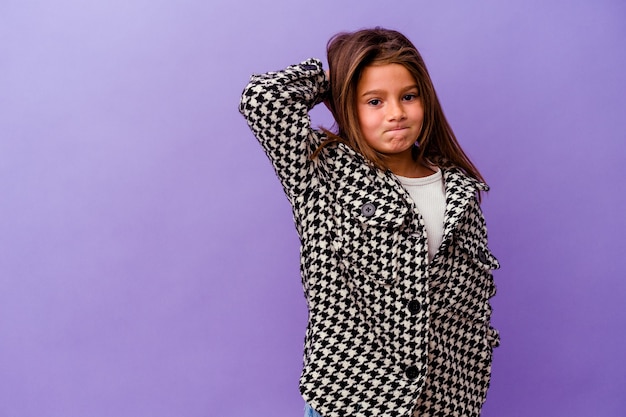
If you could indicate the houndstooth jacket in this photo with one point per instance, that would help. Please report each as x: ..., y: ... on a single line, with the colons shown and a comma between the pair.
x: 388, y: 333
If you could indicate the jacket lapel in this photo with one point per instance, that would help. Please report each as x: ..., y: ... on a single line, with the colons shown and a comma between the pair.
x: 350, y: 169
x: 460, y: 190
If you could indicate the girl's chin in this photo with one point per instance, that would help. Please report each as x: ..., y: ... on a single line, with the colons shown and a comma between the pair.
x: 397, y: 150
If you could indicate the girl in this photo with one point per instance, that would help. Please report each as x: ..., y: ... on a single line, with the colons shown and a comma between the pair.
x: 394, y: 258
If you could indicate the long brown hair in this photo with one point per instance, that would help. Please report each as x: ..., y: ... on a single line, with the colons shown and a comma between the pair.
x: 348, y: 54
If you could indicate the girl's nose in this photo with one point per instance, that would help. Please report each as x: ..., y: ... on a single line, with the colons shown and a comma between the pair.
x: 395, y: 111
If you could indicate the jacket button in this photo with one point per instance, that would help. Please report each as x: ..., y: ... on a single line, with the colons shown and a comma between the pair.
x: 308, y: 67
x: 414, y: 306
x: 482, y: 256
x: 411, y: 372
x: 368, y: 209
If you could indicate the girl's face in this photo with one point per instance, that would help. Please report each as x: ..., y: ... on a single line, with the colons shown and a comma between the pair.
x: 389, y: 109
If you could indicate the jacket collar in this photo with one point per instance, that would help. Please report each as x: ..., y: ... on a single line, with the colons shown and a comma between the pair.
x: 350, y: 167
x: 460, y: 191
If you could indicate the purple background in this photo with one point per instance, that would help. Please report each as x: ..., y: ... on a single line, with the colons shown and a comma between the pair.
x: 148, y: 261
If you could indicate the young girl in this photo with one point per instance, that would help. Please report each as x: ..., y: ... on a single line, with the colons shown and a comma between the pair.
x: 394, y: 258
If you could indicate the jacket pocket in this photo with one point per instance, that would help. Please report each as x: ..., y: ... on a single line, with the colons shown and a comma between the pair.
x: 367, y: 232
x: 461, y: 353
x: 470, y: 282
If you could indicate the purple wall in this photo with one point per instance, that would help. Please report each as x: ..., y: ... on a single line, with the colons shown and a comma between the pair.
x: 148, y: 263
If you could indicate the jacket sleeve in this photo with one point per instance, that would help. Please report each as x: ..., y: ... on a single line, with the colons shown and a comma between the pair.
x: 276, y: 106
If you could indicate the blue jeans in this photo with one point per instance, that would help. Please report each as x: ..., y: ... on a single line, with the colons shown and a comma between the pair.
x: 310, y: 412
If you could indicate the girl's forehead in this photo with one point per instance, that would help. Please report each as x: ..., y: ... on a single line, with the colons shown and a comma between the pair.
x: 384, y: 76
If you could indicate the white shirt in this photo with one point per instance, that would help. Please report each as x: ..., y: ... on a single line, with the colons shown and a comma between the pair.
x: 429, y: 195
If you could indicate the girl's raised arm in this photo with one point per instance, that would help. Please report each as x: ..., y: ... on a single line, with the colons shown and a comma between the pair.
x: 276, y: 106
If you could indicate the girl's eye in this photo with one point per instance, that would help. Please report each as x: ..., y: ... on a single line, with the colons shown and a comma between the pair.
x: 409, y: 97
x: 374, y: 102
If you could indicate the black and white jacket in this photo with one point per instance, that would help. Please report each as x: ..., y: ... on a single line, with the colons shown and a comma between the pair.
x: 389, y: 334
